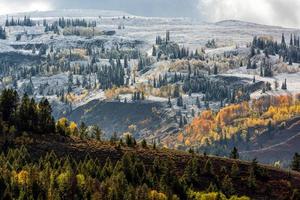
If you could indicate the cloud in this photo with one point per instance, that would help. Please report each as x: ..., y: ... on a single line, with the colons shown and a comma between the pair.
x: 272, y: 12
x: 14, y: 6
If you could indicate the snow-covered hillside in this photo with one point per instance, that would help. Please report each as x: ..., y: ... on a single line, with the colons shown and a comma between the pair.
x: 188, y: 32
x: 85, y: 13
x: 81, y: 67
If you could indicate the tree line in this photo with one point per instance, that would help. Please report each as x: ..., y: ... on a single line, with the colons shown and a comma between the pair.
x: 27, y: 21
x: 289, y: 52
x: 53, y: 177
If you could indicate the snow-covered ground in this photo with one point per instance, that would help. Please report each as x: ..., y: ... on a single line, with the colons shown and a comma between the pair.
x: 188, y: 32
x: 292, y: 79
x: 229, y: 36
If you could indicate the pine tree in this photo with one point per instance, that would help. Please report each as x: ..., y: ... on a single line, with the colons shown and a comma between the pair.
x: 290, y: 60
x: 97, y: 132
x: 179, y: 101
x: 83, y: 130
x: 261, y: 71
x: 45, y: 119
x: 176, y: 92
x: 153, y: 51
x: 8, y: 104
x: 169, y: 102
x: 234, y: 153
x: 215, y: 69
x: 295, y: 165
x: 234, y: 172
x: 154, y: 145
x: 227, y: 186
x: 198, y: 103
x: 181, y: 124
x: 249, y: 64
x: 284, y: 85
x: 167, y: 36
x: 144, y: 143
x: 283, y: 44
x: 252, y: 51
x: 252, y: 179
x: 208, y: 168
x: 2, y: 33
x: 126, y: 62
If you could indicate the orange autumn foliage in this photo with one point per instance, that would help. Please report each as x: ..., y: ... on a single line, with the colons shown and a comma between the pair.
x: 204, y: 123
x: 226, y: 115
x: 238, y: 117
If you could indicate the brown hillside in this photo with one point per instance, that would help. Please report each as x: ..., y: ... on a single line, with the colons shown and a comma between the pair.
x: 280, y: 147
x: 273, y: 184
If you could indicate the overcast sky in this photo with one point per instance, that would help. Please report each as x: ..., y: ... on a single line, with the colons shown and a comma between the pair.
x: 272, y: 12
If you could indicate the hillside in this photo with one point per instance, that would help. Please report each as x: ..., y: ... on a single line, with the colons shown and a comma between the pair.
x: 279, y: 147
x: 271, y: 183
x: 97, y: 104
x: 147, y: 117
x: 72, y: 13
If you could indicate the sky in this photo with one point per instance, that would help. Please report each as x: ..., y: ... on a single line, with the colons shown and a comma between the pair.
x: 272, y: 12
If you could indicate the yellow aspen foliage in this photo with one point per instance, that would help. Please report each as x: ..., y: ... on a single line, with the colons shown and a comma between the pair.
x: 238, y: 117
x: 80, y: 180
x: 63, y: 180
x: 212, y: 196
x: 154, y: 195
x: 63, y: 122
x: 23, y: 177
x: 73, y: 128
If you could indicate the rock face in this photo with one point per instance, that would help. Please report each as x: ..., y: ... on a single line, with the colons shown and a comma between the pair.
x: 147, y: 119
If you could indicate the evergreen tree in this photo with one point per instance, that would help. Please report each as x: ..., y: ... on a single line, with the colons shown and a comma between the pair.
x: 83, y: 130
x: 176, y: 92
x: 8, y: 105
x: 295, y: 165
x: 283, y: 44
x: 252, y: 51
x: 251, y: 179
x: 227, y: 186
x: 180, y: 101
x: 234, y: 170
x: 198, y: 103
x: 97, y: 132
x: 234, y: 153
x: 144, y: 143
x: 284, y: 85
x: 215, y: 69
x: 169, y: 102
x: 45, y: 119
x: 154, y: 51
x: 2, y: 33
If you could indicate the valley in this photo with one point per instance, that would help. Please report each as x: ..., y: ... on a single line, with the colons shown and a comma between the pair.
x: 152, y: 77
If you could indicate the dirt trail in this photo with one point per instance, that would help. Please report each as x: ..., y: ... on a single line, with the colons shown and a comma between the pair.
x: 285, y: 143
x: 274, y: 146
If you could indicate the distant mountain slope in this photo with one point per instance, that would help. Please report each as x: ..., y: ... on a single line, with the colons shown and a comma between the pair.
x: 242, y: 23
